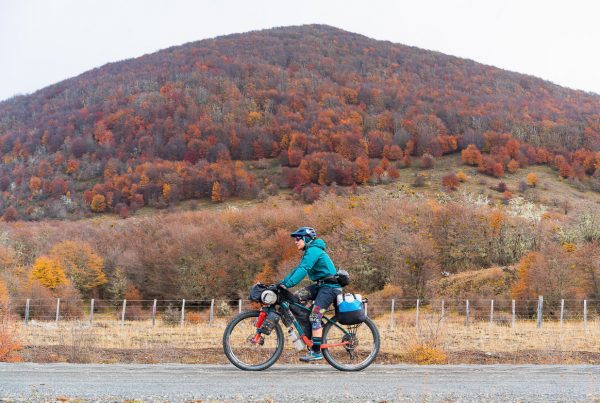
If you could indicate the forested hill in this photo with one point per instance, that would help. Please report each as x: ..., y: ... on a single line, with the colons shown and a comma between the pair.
x: 331, y: 106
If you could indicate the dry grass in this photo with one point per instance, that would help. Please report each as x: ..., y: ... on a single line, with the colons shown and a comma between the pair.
x: 432, y: 342
x: 451, y: 334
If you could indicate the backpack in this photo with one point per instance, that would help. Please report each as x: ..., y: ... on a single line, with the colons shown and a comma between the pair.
x: 343, y: 277
x: 349, y: 309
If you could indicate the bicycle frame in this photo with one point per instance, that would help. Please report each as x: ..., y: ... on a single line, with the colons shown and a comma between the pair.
x: 286, y: 305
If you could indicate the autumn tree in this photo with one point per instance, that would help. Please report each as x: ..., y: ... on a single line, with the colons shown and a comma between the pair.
x: 48, y: 272
x: 35, y: 184
x: 72, y: 166
x: 552, y: 272
x: 98, y: 204
x: 532, y: 179
x: 81, y: 263
x: 361, y: 170
x: 471, y: 155
x: 426, y: 161
x: 513, y: 166
x: 3, y: 299
x: 216, y: 196
x: 10, y: 214
x: 450, y: 181
x: 166, y: 191
x: 418, y: 266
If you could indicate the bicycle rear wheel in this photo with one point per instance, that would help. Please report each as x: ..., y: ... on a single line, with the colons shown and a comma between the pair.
x: 361, y: 351
x: 243, y: 352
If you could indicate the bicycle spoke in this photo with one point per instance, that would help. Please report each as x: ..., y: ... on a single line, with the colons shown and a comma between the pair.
x: 361, y: 344
x: 246, y: 349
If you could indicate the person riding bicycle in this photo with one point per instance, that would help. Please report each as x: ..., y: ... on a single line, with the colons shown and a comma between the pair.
x: 319, y: 267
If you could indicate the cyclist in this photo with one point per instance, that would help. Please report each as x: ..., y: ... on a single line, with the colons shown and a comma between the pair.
x: 320, y: 269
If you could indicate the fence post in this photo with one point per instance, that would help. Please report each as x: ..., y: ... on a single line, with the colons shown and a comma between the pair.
x: 392, y: 313
x: 562, y: 311
x: 443, y: 308
x: 57, y: 308
x: 91, y: 311
x: 27, y: 312
x: 212, y: 309
x: 182, y: 312
x: 154, y: 313
x: 417, y: 317
x: 467, y: 313
x: 513, y: 314
x: 239, y: 306
x: 123, y: 312
x: 585, y: 313
x: 540, y: 310
x: 492, y: 312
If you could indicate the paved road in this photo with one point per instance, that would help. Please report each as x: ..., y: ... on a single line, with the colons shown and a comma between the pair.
x: 175, y: 382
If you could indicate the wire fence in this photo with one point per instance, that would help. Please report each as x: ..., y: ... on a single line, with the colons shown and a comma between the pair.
x: 408, y: 311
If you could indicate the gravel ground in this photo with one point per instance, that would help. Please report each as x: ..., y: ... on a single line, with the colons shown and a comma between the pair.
x: 284, y: 383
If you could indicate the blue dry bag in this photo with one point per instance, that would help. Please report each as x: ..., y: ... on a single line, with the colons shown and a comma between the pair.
x: 349, y: 309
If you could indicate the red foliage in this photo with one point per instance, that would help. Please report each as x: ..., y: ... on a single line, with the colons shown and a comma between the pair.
x: 471, y: 155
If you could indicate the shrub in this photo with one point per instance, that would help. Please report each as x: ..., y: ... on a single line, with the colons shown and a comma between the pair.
x: 513, y: 166
x: 171, y: 316
x: 501, y: 187
x: 9, y: 346
x: 532, y: 179
x: 450, y: 182
x: 471, y: 155
x: 522, y: 186
x: 426, y: 354
x: 419, y: 181
x: 193, y: 318
x: 224, y: 309
x: 426, y: 161
x: 10, y: 214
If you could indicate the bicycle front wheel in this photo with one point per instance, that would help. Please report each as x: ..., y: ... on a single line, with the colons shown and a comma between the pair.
x: 361, y: 349
x: 243, y: 351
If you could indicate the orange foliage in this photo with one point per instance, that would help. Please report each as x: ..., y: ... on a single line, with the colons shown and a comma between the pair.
x: 450, y: 181
x: 9, y: 347
x: 98, y: 204
x: 522, y: 288
x: 362, y: 172
x: 166, y: 191
x: 48, y: 272
x: 215, y: 194
x: 72, y: 166
x: 471, y: 155
x: 532, y: 179
x: 35, y: 184
x: 81, y: 263
x: 513, y: 166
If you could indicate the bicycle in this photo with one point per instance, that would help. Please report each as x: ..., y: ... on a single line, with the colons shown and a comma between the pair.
x: 254, y: 340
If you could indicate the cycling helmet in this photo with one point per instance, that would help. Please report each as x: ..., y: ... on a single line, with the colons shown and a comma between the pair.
x: 307, y: 233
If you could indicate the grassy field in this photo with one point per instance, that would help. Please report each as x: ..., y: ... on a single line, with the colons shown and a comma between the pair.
x: 448, y: 340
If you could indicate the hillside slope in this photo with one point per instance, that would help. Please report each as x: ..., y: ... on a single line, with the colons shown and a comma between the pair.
x: 330, y: 105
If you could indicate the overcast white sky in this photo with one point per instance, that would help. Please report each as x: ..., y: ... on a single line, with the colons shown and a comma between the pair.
x: 46, y: 41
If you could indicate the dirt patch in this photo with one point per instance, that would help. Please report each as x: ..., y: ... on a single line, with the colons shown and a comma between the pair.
x: 44, y: 354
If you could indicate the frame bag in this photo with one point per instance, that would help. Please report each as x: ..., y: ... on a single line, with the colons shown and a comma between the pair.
x: 349, y: 309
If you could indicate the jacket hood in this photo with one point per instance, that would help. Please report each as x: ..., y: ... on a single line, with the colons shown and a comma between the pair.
x: 317, y: 243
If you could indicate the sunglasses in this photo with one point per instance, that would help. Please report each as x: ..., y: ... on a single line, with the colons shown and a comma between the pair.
x: 297, y: 238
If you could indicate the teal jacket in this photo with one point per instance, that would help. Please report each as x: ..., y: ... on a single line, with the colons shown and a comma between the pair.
x: 315, y: 262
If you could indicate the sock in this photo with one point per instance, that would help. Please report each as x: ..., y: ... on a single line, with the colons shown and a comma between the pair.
x: 316, y: 347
